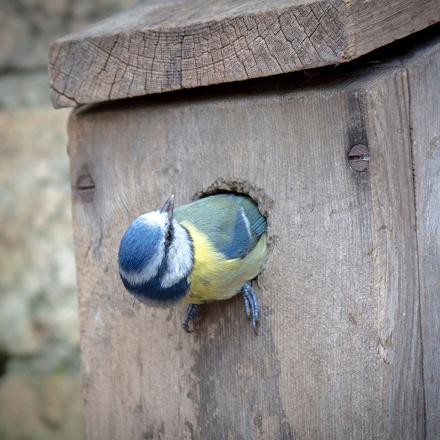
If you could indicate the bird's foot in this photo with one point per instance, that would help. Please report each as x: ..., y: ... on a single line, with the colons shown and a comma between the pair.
x: 251, y: 307
x: 192, y: 313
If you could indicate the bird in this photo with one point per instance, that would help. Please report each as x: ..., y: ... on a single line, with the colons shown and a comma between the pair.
x: 208, y: 250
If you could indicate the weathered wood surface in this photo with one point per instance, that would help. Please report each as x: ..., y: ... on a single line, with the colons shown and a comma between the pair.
x: 339, y: 351
x: 162, y: 46
x: 424, y: 82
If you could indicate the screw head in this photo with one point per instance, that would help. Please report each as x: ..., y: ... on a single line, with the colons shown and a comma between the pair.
x: 359, y: 158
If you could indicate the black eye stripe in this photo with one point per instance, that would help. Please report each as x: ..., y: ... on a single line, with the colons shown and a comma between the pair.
x: 169, y: 235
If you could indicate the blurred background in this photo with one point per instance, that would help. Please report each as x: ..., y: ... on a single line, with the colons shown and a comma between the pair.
x: 40, y: 385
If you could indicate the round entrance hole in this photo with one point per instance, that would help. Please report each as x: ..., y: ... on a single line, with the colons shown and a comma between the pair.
x: 240, y: 186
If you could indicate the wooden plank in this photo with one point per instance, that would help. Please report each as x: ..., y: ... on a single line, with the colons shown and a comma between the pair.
x: 338, y: 355
x: 424, y: 80
x: 162, y: 46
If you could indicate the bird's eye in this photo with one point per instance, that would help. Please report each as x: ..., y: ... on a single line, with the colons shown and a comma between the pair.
x: 168, y: 237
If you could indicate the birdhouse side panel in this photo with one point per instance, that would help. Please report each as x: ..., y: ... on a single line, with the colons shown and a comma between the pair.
x: 424, y: 78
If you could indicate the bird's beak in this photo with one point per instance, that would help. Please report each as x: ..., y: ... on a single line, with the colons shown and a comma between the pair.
x: 168, y: 207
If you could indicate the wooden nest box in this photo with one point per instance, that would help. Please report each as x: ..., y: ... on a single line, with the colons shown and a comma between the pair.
x: 341, y: 153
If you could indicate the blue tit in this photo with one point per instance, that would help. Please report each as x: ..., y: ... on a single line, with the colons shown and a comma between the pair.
x: 204, y: 251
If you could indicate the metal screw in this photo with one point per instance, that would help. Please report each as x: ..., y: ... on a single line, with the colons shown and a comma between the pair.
x: 359, y: 158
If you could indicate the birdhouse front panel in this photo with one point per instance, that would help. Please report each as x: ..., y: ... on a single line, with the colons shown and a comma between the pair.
x: 338, y: 294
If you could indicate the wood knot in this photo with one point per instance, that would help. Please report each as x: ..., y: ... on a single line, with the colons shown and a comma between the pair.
x: 85, y: 187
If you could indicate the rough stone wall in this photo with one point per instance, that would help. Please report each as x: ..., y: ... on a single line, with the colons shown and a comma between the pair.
x: 40, y: 391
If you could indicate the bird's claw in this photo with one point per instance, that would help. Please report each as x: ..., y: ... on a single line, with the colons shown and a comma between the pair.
x: 251, y: 307
x: 192, y: 313
x: 247, y: 307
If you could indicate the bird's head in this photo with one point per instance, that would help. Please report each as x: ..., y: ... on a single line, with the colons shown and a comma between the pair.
x: 156, y: 256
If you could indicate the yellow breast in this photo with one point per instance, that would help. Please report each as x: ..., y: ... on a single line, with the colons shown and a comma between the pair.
x: 216, y: 278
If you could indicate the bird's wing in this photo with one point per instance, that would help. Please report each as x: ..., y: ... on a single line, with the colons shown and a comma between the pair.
x: 232, y: 223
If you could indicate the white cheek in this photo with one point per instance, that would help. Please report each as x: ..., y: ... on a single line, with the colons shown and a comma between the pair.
x: 179, y: 259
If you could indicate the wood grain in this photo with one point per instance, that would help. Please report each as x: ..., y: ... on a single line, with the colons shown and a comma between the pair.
x: 424, y: 80
x: 162, y: 46
x: 338, y: 355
